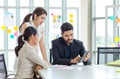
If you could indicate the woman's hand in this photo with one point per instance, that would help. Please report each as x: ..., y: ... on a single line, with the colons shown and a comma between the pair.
x: 38, y: 67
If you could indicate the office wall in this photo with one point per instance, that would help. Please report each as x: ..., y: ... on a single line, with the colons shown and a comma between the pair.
x: 85, y: 23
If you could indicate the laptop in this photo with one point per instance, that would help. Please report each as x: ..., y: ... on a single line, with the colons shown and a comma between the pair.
x: 3, y: 70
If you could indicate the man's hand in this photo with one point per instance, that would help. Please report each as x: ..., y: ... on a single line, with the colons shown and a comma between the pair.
x: 86, y: 57
x: 76, y: 59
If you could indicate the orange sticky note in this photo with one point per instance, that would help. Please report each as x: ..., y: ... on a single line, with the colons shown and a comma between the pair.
x: 118, y: 20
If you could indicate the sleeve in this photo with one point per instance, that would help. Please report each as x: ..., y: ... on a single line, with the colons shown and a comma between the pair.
x: 56, y: 56
x: 82, y: 50
x: 33, y: 56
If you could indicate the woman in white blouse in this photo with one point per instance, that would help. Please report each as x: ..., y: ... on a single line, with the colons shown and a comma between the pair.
x: 27, y: 54
x: 36, y: 20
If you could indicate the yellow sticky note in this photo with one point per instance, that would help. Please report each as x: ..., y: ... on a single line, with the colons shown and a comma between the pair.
x: 71, y: 15
x: 116, y: 39
x: 15, y: 28
x: 71, y: 20
x: 3, y: 27
x: 54, y: 17
x: 9, y: 31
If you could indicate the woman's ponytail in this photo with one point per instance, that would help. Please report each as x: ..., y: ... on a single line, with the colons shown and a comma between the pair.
x: 26, y: 19
x: 20, y: 44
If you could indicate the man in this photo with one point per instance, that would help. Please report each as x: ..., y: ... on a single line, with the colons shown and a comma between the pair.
x: 66, y: 50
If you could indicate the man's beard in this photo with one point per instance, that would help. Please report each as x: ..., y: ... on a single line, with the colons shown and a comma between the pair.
x: 69, y: 41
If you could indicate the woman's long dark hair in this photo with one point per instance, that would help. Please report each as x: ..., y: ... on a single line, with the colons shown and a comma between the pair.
x: 30, y: 30
x: 38, y: 11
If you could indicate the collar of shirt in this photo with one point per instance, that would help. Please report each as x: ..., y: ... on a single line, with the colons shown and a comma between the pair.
x: 64, y: 42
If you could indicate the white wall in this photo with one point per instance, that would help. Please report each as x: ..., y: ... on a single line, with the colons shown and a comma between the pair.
x: 85, y: 14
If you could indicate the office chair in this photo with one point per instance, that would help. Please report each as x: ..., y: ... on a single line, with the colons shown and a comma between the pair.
x: 3, y: 69
x: 107, y: 54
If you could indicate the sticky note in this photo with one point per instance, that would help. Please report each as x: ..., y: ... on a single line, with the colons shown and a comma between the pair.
x: 16, y: 28
x: 71, y: 15
x: 3, y: 27
x: 54, y: 17
x: 118, y: 20
x: 71, y: 20
x: 9, y: 31
x: 118, y: 45
x: 12, y: 36
x: 16, y: 34
x: 112, y: 18
x: 116, y: 39
x: 59, y: 16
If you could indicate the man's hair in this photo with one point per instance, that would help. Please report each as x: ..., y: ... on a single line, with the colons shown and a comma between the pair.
x: 66, y: 26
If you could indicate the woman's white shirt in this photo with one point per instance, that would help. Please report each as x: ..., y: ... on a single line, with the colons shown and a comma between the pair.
x: 40, y: 34
x: 39, y: 29
x: 27, y: 60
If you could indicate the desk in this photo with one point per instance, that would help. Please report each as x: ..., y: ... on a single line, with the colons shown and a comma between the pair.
x: 81, y: 72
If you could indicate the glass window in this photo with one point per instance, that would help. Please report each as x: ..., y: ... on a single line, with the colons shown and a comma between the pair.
x: 1, y: 2
x: 73, y: 3
x: 1, y: 30
x: 12, y: 40
x: 100, y: 33
x: 24, y: 2
x: 72, y: 18
x: 1, y: 52
x: 10, y: 22
x: 100, y: 7
x: 55, y: 21
x: 54, y: 3
x: 11, y: 60
x: 110, y: 11
x: 10, y: 31
x: 38, y: 3
x: 12, y: 3
x: 110, y: 29
x: 13, y: 11
x: 23, y: 13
